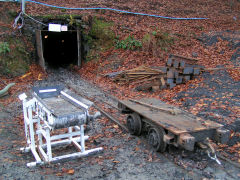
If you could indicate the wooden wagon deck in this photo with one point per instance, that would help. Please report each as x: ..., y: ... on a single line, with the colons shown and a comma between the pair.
x: 178, y: 123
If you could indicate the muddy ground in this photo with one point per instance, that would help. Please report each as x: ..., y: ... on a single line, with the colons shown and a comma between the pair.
x: 124, y: 156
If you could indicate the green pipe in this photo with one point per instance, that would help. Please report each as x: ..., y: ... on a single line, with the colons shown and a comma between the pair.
x: 4, y: 91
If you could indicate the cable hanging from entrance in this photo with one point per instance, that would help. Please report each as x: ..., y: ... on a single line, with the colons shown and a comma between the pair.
x: 117, y: 10
x: 20, y: 17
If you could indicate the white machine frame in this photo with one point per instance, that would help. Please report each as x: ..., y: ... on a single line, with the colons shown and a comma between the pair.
x: 39, y: 138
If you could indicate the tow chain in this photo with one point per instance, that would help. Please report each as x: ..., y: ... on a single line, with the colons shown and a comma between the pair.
x: 211, y: 152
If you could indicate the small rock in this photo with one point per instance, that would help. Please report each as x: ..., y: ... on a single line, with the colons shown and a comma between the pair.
x: 194, y: 54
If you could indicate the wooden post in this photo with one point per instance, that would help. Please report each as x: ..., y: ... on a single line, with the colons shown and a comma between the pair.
x: 79, y: 63
x: 40, y: 49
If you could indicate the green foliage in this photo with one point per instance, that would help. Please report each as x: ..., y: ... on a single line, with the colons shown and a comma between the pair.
x: 99, y: 38
x: 129, y: 43
x: 4, y: 48
x: 101, y: 33
x: 71, y: 20
x: 164, y: 40
x: 157, y: 39
x: 15, y: 62
x: 12, y: 13
x: 146, y: 38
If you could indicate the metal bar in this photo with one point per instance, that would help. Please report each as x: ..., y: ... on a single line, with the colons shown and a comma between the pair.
x: 39, y: 134
x: 32, y: 140
x: 66, y: 157
x: 23, y: 6
x: 76, y: 155
x: 82, y: 138
x: 71, y: 133
x: 43, y: 153
x: 56, y: 143
x: 35, y: 154
x: 61, y: 136
x: 48, y: 142
x: 111, y: 118
x: 79, y: 148
x: 74, y: 100
x: 41, y: 131
x: 77, y: 128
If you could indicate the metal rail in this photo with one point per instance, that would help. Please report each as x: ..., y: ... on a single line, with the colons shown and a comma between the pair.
x: 100, y: 109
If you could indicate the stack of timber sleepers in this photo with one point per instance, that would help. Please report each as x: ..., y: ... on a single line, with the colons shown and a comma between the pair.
x: 181, y: 69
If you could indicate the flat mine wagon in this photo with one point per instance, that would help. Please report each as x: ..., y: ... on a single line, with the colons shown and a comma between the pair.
x: 166, y: 124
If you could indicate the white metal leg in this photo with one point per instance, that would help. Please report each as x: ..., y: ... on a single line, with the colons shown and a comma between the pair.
x: 82, y: 138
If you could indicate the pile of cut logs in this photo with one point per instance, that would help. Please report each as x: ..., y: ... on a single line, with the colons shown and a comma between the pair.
x: 178, y: 70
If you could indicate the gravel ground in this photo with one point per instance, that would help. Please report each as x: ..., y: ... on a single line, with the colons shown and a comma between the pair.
x: 124, y: 156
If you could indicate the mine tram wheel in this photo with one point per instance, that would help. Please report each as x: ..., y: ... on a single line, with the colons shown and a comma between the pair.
x: 155, y: 138
x: 134, y: 124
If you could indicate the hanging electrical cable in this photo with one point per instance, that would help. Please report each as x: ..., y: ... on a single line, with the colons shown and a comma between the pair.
x: 117, y: 10
x: 35, y: 20
x: 19, y: 21
x: 20, y: 17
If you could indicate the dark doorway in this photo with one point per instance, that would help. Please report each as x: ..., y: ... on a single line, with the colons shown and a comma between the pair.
x: 60, y: 49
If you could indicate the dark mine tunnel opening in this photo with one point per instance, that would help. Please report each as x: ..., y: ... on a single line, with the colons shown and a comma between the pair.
x: 60, y: 49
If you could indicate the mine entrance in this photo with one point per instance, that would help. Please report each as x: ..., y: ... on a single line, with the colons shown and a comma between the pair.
x: 58, y: 49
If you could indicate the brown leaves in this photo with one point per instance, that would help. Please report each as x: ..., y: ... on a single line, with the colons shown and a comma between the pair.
x: 22, y: 83
x: 65, y: 171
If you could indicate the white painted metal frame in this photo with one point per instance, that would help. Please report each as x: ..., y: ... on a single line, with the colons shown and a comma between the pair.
x: 37, y: 130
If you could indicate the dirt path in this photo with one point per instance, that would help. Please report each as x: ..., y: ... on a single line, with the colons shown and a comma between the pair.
x: 124, y: 156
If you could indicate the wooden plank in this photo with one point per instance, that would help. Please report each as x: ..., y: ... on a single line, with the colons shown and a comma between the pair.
x: 173, y: 111
x: 145, y: 80
x: 182, y: 64
x: 184, y: 58
x: 40, y: 49
x: 163, y: 69
x: 176, y: 74
x: 188, y: 70
x: 163, y: 86
x: 196, y: 71
x: 222, y: 68
x: 170, y: 73
x: 160, y: 69
x: 186, y: 78
x: 176, y: 64
x: 177, y: 124
x: 144, y: 87
x: 170, y: 80
x: 155, y: 88
x: 163, y: 83
x: 169, y: 62
x: 179, y: 80
x: 172, y: 85
x: 79, y: 63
